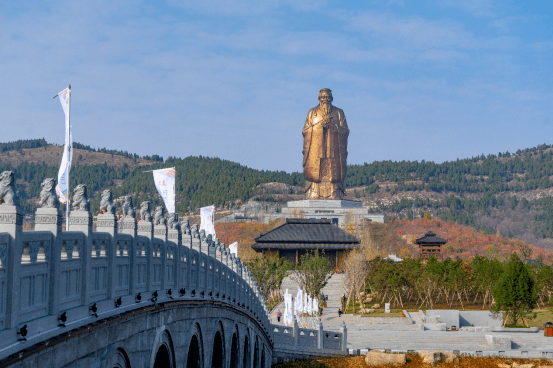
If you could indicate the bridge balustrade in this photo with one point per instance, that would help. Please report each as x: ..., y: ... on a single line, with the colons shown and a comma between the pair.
x: 53, y: 281
x: 293, y: 339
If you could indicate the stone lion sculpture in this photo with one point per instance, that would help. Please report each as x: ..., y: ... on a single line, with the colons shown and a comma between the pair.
x: 145, y: 214
x: 48, y: 197
x: 194, y: 231
x: 106, y: 202
x: 159, y: 218
x: 7, y: 189
x: 185, y: 226
x: 80, y: 198
x: 174, y: 221
x: 127, y: 208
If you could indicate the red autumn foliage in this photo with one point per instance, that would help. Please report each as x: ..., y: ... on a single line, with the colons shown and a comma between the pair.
x: 244, y: 233
x: 465, y: 241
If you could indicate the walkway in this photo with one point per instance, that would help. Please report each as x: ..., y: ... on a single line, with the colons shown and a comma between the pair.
x: 402, y: 337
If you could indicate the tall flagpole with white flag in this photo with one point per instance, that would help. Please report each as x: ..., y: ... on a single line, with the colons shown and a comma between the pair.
x: 62, y: 189
x: 206, y: 220
x: 165, y: 184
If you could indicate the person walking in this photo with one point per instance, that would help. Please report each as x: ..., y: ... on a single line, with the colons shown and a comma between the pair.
x: 279, y: 314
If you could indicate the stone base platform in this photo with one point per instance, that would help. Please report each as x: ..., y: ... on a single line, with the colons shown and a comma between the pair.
x: 339, y: 211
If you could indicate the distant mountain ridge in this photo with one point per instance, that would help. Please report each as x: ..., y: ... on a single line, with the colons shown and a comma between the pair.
x: 509, y: 192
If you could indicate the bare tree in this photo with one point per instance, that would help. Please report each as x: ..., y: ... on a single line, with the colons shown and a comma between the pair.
x: 356, y: 272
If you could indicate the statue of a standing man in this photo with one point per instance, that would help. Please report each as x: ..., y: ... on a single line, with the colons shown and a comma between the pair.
x: 325, y: 141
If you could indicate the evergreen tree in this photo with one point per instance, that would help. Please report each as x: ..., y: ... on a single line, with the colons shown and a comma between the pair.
x: 515, y: 292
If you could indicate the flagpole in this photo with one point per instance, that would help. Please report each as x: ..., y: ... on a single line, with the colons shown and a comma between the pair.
x: 68, y: 160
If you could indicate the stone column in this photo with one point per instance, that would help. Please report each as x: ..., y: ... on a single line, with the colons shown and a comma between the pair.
x: 320, y: 334
x: 344, y: 331
x: 224, y: 281
x: 296, y: 332
x: 81, y: 221
x: 160, y: 232
x: 11, y: 222
x: 146, y: 229
x: 217, y: 286
x: 49, y: 220
x: 210, y: 271
x: 241, y: 287
x: 184, y: 253
x: 174, y: 236
x: 195, y: 268
x: 107, y: 223
x: 127, y: 225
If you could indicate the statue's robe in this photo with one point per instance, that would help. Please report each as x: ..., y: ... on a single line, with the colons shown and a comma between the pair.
x: 325, y: 150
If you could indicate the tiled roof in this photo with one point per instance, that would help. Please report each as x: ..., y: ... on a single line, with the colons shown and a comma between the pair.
x: 313, y: 245
x: 430, y: 238
x: 307, y: 231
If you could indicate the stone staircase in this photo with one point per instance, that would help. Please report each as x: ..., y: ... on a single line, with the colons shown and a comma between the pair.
x: 407, y: 340
x: 288, y: 283
x: 418, y: 317
x: 526, y: 341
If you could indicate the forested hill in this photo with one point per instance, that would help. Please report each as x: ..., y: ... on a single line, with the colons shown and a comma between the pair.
x: 509, y: 192
x: 200, y: 180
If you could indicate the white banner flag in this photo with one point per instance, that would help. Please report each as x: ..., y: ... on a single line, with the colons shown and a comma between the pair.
x: 288, y: 318
x: 206, y: 220
x: 62, y: 188
x: 165, y: 185
x: 233, y: 248
x: 298, y: 305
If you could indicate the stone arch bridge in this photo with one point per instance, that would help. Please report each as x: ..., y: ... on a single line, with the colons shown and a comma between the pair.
x: 134, y: 294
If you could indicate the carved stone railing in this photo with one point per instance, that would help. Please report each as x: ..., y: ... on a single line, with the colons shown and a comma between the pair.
x: 316, y: 342
x: 53, y: 281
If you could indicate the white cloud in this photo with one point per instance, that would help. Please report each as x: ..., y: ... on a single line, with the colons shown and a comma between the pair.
x: 238, y: 84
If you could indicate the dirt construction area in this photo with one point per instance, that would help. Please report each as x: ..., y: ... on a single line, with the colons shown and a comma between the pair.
x: 415, y: 361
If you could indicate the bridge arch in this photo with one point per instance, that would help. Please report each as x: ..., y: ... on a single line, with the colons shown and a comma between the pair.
x: 117, y: 358
x: 247, y: 352
x: 163, y: 353
x: 263, y: 359
x: 218, y: 352
x: 235, y: 349
x: 256, y: 354
x: 195, y: 354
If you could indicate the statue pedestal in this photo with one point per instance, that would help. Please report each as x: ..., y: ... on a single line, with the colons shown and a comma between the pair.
x: 339, y: 211
x: 325, y: 203
x: 107, y: 223
x: 48, y: 219
x: 11, y: 219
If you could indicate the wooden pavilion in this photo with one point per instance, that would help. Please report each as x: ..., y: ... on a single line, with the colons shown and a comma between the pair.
x: 298, y: 236
x: 430, y: 245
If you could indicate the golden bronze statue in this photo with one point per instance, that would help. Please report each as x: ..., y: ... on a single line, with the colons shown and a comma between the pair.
x: 325, y: 143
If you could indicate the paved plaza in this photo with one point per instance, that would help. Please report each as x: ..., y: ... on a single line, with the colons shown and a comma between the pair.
x: 364, y: 335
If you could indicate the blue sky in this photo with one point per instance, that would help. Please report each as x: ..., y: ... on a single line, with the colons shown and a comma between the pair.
x: 435, y: 80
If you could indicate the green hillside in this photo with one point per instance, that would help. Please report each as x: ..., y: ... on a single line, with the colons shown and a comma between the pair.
x: 200, y: 180
x: 470, y: 191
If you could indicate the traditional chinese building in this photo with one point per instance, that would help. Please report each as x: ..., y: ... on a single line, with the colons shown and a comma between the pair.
x: 430, y: 245
x: 298, y: 236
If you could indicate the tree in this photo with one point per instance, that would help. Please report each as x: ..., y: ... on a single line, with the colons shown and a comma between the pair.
x: 356, y: 272
x: 545, y: 283
x: 515, y: 292
x: 268, y: 273
x: 312, y: 272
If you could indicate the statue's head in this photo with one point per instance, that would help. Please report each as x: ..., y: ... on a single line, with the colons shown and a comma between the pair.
x: 325, y: 96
